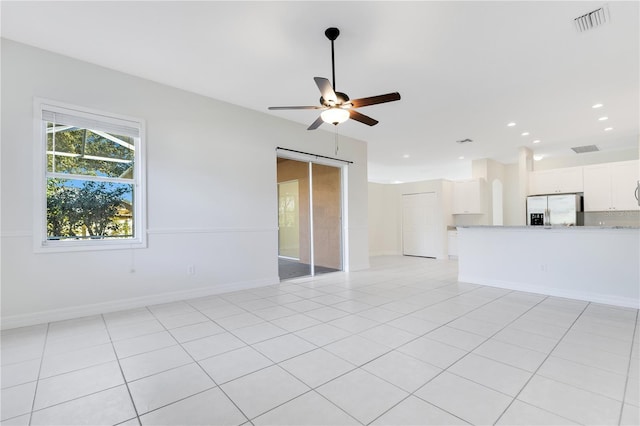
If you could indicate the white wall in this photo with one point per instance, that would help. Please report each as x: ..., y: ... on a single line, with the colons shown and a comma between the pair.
x: 511, y: 199
x: 211, y: 189
x: 384, y: 220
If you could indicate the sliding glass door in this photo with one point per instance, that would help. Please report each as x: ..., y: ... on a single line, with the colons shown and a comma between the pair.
x: 309, y: 218
x: 294, y: 230
x: 327, y: 218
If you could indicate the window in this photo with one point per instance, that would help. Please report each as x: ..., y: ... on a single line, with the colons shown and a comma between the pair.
x: 91, y: 185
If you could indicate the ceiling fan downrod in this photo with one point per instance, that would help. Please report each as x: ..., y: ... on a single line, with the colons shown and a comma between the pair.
x: 332, y: 34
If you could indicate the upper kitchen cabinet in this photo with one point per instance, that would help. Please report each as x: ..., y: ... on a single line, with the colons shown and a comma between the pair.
x: 556, y: 181
x: 468, y: 196
x: 611, y: 186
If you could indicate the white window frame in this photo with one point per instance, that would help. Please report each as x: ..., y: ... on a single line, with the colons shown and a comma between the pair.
x: 44, y: 245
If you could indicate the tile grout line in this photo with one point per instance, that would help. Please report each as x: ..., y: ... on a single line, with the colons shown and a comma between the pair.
x: 405, y: 343
x: 462, y: 357
x: 287, y: 331
x: 274, y: 363
x: 245, y: 342
x: 75, y: 369
x: 124, y: 378
x: 216, y: 385
x: 61, y: 402
x: 314, y: 389
x: 320, y: 347
x: 208, y: 357
x: 75, y: 399
x: 185, y: 398
x: 541, y: 364
x: 146, y: 308
x: 311, y: 390
x: 35, y: 392
x: 582, y: 364
x: 626, y: 383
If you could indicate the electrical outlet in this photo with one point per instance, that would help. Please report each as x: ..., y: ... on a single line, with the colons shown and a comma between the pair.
x: 191, y: 269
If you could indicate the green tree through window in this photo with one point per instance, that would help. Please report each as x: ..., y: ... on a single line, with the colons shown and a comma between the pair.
x: 93, y: 210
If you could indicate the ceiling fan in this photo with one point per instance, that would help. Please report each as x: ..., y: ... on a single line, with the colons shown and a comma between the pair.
x: 336, y: 106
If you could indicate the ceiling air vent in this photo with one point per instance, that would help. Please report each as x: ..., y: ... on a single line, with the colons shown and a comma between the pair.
x: 592, y: 19
x: 586, y: 148
x: 467, y: 140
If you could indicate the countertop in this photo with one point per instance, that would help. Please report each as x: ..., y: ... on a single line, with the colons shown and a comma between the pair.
x: 555, y: 227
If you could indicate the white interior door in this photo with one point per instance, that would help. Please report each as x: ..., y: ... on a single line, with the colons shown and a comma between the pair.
x: 419, y: 228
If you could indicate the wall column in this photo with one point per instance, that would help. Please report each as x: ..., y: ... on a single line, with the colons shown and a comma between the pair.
x: 525, y: 165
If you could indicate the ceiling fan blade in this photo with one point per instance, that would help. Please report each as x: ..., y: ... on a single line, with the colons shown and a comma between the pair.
x: 326, y: 89
x: 296, y: 107
x: 315, y: 124
x: 355, y: 115
x: 373, y: 100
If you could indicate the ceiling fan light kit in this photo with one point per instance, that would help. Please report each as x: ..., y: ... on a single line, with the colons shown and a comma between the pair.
x: 336, y: 106
x: 335, y: 115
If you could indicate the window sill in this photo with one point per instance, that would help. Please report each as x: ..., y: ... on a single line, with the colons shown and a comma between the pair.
x: 51, y: 246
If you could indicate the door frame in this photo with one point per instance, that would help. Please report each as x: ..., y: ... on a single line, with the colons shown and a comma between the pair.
x: 342, y: 166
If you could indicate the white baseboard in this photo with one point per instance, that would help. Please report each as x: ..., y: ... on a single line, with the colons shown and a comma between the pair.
x: 23, y: 320
x: 605, y: 299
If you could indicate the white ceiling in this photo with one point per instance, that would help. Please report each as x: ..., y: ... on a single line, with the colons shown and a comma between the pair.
x: 464, y: 69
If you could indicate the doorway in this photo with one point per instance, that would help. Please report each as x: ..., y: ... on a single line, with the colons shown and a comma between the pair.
x: 309, y: 218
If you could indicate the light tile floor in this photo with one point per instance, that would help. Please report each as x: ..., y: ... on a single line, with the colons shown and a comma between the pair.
x: 401, y: 343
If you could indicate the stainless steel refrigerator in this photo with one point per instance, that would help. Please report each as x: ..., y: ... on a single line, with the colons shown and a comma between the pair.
x: 549, y: 210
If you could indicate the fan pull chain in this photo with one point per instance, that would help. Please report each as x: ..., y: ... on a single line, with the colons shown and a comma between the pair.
x: 336, y: 153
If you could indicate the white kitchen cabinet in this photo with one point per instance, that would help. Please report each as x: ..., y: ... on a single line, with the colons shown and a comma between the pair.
x: 624, y: 181
x: 597, y: 188
x: 468, y: 196
x: 611, y: 186
x: 556, y: 181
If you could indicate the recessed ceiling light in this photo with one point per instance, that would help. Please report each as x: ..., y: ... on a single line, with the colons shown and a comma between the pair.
x: 525, y: 133
x: 538, y: 157
x: 536, y: 141
x: 597, y: 106
x: 608, y: 129
x: 603, y: 118
x: 461, y: 157
x: 406, y: 156
x: 511, y: 124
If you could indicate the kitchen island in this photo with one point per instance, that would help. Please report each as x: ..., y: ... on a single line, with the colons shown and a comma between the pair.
x: 597, y: 264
